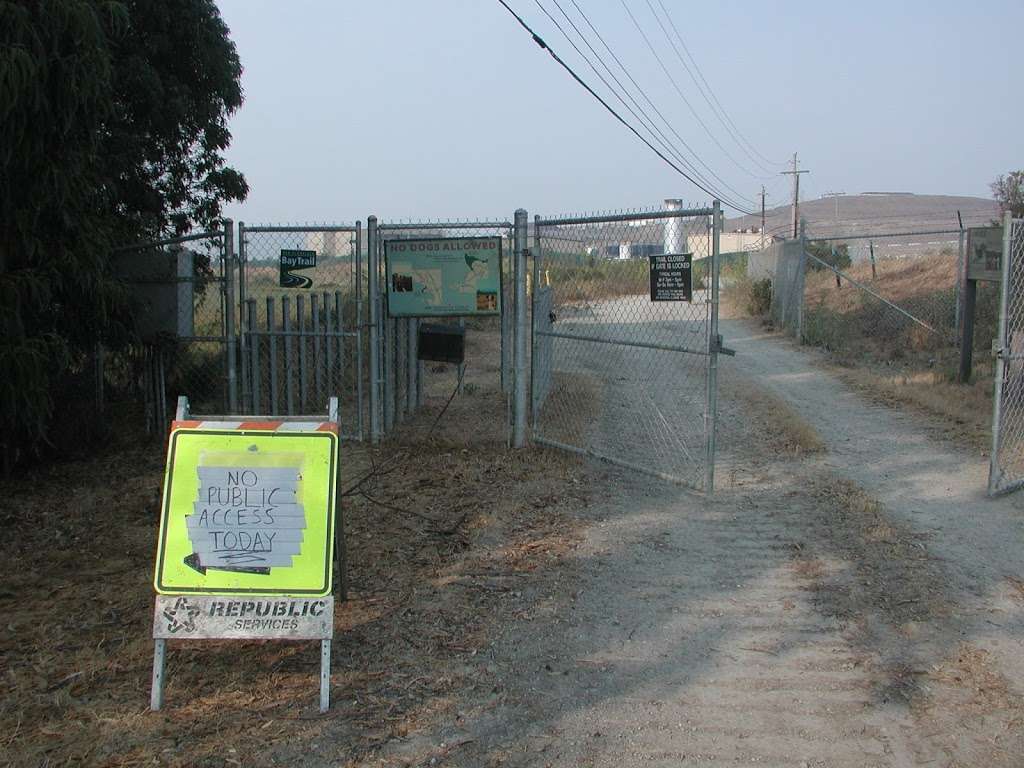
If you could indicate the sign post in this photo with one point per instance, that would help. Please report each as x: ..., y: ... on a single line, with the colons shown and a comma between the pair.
x: 984, y: 254
x: 248, y: 534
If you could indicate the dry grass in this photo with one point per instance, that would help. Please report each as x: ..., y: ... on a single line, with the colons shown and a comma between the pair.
x: 786, y: 431
x: 443, y: 543
x: 891, y: 569
x: 962, y: 412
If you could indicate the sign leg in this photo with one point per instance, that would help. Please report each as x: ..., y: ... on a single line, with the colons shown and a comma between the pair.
x: 325, y: 675
x: 156, y: 695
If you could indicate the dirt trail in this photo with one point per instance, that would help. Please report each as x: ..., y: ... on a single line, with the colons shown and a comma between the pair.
x: 856, y: 609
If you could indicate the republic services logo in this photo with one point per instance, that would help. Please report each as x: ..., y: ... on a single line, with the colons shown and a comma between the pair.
x: 181, y: 617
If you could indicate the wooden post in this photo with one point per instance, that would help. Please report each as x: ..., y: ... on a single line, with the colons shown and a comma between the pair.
x: 871, y: 245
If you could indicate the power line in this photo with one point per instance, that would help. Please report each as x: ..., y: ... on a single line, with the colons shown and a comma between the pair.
x: 728, y: 121
x: 643, y: 118
x: 540, y: 41
x: 739, y: 195
x: 686, y: 101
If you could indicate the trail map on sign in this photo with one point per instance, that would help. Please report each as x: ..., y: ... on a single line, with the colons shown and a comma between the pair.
x: 444, y: 277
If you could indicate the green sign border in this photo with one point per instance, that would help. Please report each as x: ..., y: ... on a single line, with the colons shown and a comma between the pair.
x: 501, y: 275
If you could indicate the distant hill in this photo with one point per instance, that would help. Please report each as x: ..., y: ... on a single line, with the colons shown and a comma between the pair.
x: 874, y: 213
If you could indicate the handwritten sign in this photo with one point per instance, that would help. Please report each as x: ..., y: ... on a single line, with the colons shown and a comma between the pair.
x: 246, y: 517
x: 671, y: 277
x: 248, y: 512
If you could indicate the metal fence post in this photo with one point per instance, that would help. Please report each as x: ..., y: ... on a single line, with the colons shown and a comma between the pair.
x: 245, y: 339
x: 229, y: 314
x: 256, y: 401
x: 519, y: 363
x: 534, y: 402
x: 410, y: 365
x: 961, y: 274
x: 995, y: 470
x: 801, y: 277
x: 373, y: 289
x: 713, y: 345
x: 358, y: 259
x: 286, y: 369
x: 389, y: 370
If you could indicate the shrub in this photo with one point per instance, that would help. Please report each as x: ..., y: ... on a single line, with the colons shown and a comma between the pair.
x: 837, y: 256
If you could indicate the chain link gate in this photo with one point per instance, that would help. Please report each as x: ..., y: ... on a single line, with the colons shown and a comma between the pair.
x: 188, y: 343
x: 1006, y: 470
x: 615, y: 375
x: 401, y: 380
x: 302, y: 320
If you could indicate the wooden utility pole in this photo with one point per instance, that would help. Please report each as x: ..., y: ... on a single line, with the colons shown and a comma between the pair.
x: 835, y: 196
x: 762, y: 218
x: 796, y: 195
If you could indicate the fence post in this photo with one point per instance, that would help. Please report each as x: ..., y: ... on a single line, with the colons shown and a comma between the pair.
x: 373, y: 289
x: 801, y: 277
x: 229, y: 314
x: 272, y: 359
x: 245, y: 338
x: 710, y: 417
x: 389, y: 371
x: 286, y: 369
x: 995, y: 470
x: 533, y: 321
x: 519, y: 363
x: 410, y: 365
x: 871, y: 245
x: 961, y: 275
x: 255, y: 374
x: 358, y: 259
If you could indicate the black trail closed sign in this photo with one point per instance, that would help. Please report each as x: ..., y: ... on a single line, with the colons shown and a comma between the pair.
x: 670, y: 277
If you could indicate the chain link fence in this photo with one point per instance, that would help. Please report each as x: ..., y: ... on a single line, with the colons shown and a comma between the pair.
x: 616, y: 375
x: 884, y: 297
x: 302, y: 321
x: 179, y: 290
x: 1007, y: 463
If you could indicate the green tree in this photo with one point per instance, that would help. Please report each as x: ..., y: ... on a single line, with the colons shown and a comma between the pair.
x: 1008, y: 191
x: 113, y: 120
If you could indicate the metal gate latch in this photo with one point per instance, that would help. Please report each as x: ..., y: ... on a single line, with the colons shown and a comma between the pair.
x: 717, y: 347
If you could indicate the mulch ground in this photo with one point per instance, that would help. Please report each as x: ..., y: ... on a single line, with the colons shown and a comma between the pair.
x: 443, y: 541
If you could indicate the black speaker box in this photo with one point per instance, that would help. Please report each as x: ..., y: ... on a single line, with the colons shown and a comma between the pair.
x: 441, y: 343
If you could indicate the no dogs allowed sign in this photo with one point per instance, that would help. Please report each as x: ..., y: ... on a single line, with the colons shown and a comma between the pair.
x: 248, y: 510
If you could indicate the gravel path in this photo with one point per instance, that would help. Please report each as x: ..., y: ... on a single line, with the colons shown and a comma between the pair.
x: 756, y: 628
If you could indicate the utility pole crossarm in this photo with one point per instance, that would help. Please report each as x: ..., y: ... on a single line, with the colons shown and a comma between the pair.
x: 795, y: 173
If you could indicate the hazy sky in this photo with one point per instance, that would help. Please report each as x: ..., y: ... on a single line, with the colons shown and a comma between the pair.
x: 447, y: 108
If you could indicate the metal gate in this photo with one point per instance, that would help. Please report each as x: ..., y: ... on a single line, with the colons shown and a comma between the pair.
x: 187, y: 334
x: 615, y: 375
x: 302, y: 320
x: 1006, y: 470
